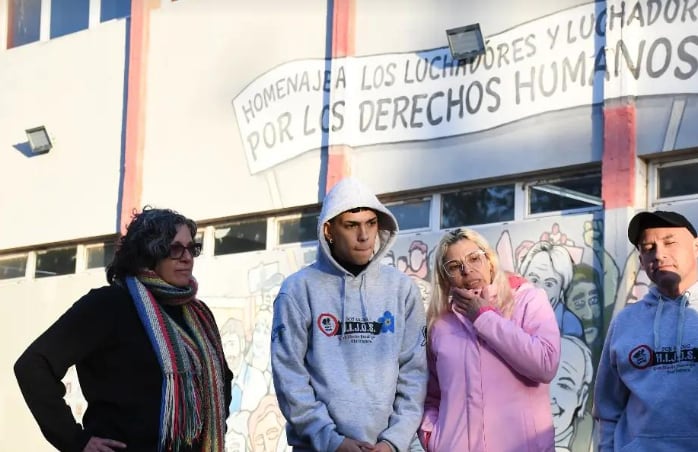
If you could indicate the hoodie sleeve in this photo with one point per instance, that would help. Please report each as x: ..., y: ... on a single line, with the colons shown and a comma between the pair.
x: 79, y: 332
x: 533, y: 348
x: 610, y: 394
x: 408, y: 406
x: 307, y: 416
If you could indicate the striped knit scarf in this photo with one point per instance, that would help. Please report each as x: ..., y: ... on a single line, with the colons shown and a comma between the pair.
x: 192, y: 362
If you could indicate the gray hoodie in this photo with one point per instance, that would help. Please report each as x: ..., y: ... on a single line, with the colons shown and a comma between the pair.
x: 347, y: 352
x: 644, y: 396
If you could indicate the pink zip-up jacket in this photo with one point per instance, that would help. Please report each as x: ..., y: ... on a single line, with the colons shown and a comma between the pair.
x: 489, y: 379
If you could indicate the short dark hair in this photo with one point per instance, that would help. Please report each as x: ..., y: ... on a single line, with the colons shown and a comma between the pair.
x: 146, y: 242
x: 354, y: 210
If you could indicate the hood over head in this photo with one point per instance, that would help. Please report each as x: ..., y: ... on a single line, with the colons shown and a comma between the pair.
x: 348, y: 194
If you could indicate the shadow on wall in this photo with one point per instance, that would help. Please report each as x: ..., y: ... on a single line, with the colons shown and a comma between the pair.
x: 25, y: 149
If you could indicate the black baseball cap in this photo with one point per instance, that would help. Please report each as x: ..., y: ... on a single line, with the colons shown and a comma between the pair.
x: 657, y: 219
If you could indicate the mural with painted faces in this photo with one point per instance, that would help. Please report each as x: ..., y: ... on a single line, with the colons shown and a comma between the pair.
x: 570, y: 388
x: 548, y: 266
x: 583, y: 298
x: 266, y: 426
x: 234, y: 344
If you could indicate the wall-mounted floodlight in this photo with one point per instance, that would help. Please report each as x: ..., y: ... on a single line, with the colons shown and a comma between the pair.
x: 39, y: 141
x: 465, y: 42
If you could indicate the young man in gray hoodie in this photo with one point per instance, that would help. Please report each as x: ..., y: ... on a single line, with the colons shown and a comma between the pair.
x: 348, y: 339
x: 648, y: 373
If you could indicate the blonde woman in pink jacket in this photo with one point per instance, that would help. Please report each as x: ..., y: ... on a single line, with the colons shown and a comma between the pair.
x: 493, y: 347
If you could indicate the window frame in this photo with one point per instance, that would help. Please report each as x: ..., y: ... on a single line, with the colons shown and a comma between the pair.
x: 499, y: 183
x: 10, y: 256
x: 654, y: 181
x: 276, y: 221
x: 231, y: 223
x: 46, y: 250
x: 528, y: 185
x: 430, y: 202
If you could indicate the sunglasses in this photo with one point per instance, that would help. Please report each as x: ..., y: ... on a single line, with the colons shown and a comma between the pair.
x: 177, y: 250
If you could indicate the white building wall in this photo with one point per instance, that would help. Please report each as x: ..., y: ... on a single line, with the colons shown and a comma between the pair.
x: 202, y: 54
x: 73, y: 85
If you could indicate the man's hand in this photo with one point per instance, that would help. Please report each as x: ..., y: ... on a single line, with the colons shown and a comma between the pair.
x: 352, y: 445
x: 96, y: 444
x: 382, y: 447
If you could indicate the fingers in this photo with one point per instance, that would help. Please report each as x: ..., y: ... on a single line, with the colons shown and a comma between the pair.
x: 467, y: 294
x: 352, y: 445
x: 465, y: 297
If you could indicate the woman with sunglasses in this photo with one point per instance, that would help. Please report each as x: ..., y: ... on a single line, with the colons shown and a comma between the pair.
x: 493, y: 347
x: 147, y: 352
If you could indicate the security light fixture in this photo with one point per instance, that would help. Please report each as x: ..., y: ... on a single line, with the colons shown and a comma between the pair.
x: 465, y: 42
x: 39, y: 141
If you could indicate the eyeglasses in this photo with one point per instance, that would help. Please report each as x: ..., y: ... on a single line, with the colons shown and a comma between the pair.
x: 456, y: 267
x: 177, y: 250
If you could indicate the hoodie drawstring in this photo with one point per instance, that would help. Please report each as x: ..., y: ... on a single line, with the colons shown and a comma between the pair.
x: 683, y: 301
x: 655, y: 326
x: 343, y: 299
x: 362, y: 296
x: 679, y: 330
x: 362, y: 299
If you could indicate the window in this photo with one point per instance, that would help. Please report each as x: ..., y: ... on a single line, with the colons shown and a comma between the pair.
x: 572, y: 193
x: 411, y: 214
x: 69, y: 16
x: 302, y: 228
x: 13, y: 266
x: 677, y: 179
x: 477, y: 206
x: 100, y: 255
x: 56, y: 261
x: 24, y: 22
x: 240, y: 237
x: 114, y: 9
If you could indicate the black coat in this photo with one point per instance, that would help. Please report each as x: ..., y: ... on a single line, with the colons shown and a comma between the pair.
x: 102, y: 335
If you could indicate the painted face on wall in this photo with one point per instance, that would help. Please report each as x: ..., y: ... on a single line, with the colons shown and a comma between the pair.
x: 235, y: 442
x: 402, y: 264
x: 583, y: 301
x: 233, y: 347
x: 353, y: 236
x: 261, y: 341
x: 568, y: 391
x: 541, y: 274
x: 267, y: 433
x: 417, y: 258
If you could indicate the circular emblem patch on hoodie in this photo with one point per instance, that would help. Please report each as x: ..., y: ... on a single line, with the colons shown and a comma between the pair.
x: 328, y: 324
x: 641, y: 357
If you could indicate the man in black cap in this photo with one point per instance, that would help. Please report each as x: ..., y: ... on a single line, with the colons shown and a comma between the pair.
x: 648, y: 373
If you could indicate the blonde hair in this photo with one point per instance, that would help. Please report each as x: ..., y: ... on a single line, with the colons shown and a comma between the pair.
x: 439, y: 304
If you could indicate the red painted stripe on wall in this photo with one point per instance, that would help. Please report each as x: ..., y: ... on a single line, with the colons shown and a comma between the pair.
x: 343, y: 34
x: 343, y: 28
x: 135, y: 108
x: 618, y: 161
x: 10, y: 25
